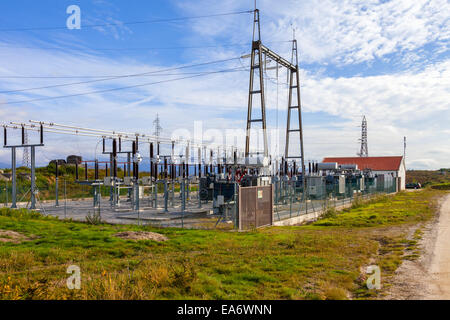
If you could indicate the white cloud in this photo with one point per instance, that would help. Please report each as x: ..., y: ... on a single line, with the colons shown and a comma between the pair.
x: 338, y: 31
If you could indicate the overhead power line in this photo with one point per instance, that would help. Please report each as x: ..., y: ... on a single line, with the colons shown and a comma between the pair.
x: 108, y: 24
x: 136, y: 48
x: 156, y: 72
x: 96, y: 77
x: 112, y: 78
x: 116, y: 89
x: 129, y: 49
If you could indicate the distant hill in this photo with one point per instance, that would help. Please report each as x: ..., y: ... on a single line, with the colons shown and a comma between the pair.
x: 426, y: 177
x: 4, y: 165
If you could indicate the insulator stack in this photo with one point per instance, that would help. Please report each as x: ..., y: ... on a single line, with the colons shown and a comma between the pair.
x: 165, y: 168
x: 96, y: 170
x: 114, y: 158
x: 152, y: 161
x: 41, y: 133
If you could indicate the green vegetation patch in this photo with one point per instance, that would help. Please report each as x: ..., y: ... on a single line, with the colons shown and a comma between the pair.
x: 441, y: 186
x: 404, y: 207
x: 318, y: 261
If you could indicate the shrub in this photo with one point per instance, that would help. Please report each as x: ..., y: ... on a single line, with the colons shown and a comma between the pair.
x: 330, y: 212
x: 94, y: 218
x: 357, y: 202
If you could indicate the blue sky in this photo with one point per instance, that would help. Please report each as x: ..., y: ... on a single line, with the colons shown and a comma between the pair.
x: 388, y: 60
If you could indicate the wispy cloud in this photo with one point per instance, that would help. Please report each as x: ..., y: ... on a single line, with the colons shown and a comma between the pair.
x: 340, y: 31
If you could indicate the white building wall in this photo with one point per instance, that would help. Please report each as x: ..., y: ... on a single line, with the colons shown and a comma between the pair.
x: 401, y: 173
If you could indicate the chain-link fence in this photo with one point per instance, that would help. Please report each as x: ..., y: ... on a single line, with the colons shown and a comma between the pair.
x: 180, y: 204
x: 292, y: 200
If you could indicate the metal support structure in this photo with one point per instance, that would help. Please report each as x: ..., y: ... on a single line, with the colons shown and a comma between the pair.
x: 26, y: 154
x: 136, y: 196
x: 183, y: 195
x: 33, y: 178
x: 56, y: 184
x: 294, y: 103
x: 14, y: 185
x: 33, y: 189
x: 256, y: 64
x: 166, y: 196
x: 155, y: 195
x: 65, y: 199
x: 364, y: 151
x: 258, y: 50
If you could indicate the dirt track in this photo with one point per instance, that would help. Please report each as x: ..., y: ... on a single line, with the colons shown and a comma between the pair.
x: 440, y: 263
x: 428, y: 277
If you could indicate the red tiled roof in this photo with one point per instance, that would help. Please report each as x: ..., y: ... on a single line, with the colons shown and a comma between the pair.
x: 374, y: 163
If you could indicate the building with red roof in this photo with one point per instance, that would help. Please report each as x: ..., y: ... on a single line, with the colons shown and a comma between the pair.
x: 392, y: 165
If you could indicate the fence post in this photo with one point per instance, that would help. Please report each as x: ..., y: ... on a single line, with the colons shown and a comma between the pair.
x: 6, y: 191
x: 290, y: 200
x: 166, y: 196
x: 305, y: 191
x: 65, y: 199
x: 236, y: 206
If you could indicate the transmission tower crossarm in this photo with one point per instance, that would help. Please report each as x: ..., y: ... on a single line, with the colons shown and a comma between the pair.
x: 277, y: 58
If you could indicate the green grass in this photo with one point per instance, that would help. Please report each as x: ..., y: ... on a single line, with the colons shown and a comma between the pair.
x: 318, y: 261
x: 384, y: 210
x: 441, y: 186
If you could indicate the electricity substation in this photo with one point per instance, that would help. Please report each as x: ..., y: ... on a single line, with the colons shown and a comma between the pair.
x: 204, y: 185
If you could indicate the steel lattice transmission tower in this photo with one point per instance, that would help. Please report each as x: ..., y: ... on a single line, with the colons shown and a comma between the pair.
x: 364, y: 152
x: 259, y: 56
x: 26, y: 154
x: 157, y: 126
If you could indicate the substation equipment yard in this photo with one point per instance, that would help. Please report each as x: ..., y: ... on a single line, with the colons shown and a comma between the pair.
x: 204, y: 186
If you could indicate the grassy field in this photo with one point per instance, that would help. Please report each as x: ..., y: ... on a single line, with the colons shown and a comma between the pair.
x: 323, y: 260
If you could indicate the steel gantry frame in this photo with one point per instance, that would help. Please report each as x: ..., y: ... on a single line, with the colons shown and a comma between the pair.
x: 51, y: 127
x: 25, y: 144
x: 294, y: 103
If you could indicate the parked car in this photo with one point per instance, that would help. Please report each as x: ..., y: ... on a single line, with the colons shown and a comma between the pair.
x: 413, y: 185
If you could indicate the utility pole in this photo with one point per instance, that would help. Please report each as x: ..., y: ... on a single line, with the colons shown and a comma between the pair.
x: 364, y: 151
x: 404, y: 148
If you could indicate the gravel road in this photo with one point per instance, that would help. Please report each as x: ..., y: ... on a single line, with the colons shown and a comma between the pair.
x: 429, y: 276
